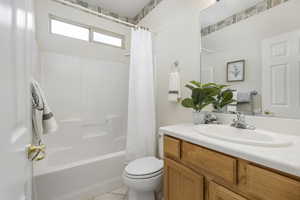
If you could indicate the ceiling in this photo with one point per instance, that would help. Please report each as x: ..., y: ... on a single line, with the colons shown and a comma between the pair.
x: 125, y: 8
x: 224, y: 9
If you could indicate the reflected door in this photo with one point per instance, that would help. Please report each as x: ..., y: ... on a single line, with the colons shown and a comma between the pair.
x: 281, y: 75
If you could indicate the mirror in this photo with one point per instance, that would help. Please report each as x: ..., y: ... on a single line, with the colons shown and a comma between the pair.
x: 254, y: 46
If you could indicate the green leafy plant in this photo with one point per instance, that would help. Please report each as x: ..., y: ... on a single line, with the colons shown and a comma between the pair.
x: 223, y: 98
x: 202, y: 95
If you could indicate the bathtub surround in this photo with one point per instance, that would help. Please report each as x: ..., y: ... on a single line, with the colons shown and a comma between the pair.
x: 243, y: 15
x: 86, y: 85
x: 91, y: 135
x: 141, y: 123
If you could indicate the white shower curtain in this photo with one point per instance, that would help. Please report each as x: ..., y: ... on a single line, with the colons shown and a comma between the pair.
x: 141, y: 125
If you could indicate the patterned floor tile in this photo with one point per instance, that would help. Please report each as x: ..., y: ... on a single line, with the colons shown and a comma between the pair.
x: 122, y: 190
x: 110, y: 196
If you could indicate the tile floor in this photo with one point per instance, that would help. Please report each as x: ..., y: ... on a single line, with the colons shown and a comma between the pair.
x: 118, y: 194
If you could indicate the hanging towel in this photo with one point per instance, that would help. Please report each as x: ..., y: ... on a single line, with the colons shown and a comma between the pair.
x: 43, y: 121
x: 174, y: 87
x: 243, y: 97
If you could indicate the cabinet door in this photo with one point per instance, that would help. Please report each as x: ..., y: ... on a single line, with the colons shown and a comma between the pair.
x: 181, y: 183
x: 217, y: 192
x: 172, y: 147
x: 263, y: 184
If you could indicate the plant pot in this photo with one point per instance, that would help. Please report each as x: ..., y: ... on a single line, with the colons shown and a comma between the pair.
x: 199, y: 117
x: 220, y: 110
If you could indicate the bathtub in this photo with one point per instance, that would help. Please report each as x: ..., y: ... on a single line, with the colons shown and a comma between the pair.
x: 84, y: 159
x: 80, y: 180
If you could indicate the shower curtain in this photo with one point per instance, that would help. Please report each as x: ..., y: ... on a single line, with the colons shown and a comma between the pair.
x: 141, y: 125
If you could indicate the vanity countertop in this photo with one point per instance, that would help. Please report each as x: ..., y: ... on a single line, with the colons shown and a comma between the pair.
x: 285, y: 159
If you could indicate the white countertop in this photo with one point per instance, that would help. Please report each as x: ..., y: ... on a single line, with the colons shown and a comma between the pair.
x: 285, y: 159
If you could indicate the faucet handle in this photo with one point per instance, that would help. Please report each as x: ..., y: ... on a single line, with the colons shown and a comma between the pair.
x: 240, y: 116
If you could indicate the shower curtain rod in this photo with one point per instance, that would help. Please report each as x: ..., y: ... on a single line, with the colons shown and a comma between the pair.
x: 110, y: 18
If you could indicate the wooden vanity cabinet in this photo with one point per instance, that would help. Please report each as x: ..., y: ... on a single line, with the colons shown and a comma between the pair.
x: 182, y: 183
x: 218, y: 192
x: 263, y: 184
x: 193, y: 172
x: 172, y: 147
x: 215, y: 163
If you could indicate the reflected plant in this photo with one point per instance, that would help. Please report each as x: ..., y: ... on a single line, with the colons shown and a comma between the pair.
x: 206, y: 94
x: 202, y: 95
x: 223, y: 98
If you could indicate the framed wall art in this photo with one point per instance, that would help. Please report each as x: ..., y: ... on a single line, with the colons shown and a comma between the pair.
x: 236, y: 71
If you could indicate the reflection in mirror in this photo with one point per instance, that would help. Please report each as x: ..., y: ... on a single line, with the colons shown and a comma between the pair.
x: 254, y: 46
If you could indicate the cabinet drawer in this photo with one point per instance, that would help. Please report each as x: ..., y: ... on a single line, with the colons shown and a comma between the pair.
x: 217, y: 192
x: 220, y: 165
x: 266, y: 185
x: 172, y: 147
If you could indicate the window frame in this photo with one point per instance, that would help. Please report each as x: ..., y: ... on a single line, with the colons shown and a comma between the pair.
x: 108, y: 33
x: 91, y: 30
x: 52, y: 17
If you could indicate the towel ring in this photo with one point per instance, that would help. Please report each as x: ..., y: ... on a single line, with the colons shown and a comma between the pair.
x: 175, y: 66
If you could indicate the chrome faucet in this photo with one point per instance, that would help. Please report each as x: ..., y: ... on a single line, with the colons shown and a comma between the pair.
x: 210, y: 118
x: 240, y: 122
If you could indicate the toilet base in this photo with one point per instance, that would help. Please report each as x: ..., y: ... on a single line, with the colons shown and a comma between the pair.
x: 134, y: 195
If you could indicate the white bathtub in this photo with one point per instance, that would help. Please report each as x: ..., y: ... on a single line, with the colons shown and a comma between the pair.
x: 80, y: 180
x: 83, y: 160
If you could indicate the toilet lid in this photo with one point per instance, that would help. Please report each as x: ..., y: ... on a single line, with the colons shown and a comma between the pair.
x: 144, y: 166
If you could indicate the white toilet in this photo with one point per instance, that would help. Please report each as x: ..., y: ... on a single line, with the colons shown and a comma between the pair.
x: 143, y: 177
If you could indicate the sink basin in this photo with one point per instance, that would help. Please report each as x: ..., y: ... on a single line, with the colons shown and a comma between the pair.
x: 256, y: 137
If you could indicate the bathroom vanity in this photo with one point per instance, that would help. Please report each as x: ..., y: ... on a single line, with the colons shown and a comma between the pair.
x: 199, y: 167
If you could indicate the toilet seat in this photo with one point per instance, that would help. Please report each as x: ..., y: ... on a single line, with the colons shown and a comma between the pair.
x: 148, y: 176
x: 144, y: 168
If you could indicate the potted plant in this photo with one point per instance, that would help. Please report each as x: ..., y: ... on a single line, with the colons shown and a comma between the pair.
x: 202, y: 96
x: 223, y: 98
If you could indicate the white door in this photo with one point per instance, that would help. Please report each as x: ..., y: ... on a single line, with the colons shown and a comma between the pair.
x: 15, y: 122
x: 207, y: 75
x: 281, y: 75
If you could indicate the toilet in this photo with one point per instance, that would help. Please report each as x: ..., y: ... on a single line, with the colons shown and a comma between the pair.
x: 143, y: 177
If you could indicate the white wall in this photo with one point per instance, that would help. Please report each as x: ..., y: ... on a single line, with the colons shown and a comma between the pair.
x: 177, y: 38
